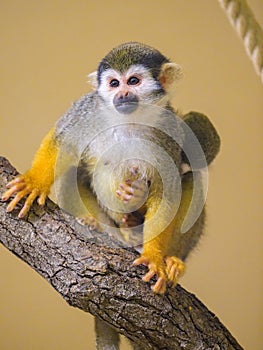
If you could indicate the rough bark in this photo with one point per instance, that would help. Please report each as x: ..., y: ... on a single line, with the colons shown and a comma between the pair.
x: 94, y: 273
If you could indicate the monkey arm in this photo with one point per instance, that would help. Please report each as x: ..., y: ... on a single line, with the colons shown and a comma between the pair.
x: 36, y: 182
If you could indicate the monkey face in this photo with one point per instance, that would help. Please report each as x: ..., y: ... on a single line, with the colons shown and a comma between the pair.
x: 133, y: 74
x: 124, y: 91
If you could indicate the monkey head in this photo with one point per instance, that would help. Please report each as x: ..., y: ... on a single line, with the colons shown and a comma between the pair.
x: 132, y: 74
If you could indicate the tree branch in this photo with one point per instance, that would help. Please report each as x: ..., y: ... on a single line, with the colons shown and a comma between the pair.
x: 94, y: 273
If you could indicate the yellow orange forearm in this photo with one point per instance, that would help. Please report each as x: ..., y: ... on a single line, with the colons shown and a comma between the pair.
x: 43, y: 167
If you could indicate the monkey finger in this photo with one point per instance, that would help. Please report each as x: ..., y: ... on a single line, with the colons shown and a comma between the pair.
x: 23, y: 212
x: 137, y: 185
x: 160, y: 286
x: 42, y: 198
x: 149, y: 275
x: 28, y: 203
x: 15, y: 181
x: 123, y: 196
x: 17, y: 199
x: 118, y: 193
x: 140, y: 261
x: 127, y: 188
x: 173, y: 275
x: 174, y: 268
x: 11, y: 191
x: 169, y: 263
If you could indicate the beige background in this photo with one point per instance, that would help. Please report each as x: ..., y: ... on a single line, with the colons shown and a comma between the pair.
x: 46, y: 50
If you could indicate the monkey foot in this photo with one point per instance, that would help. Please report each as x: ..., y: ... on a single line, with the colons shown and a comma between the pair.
x: 156, y: 268
x: 90, y: 221
x: 174, y: 269
x: 167, y: 270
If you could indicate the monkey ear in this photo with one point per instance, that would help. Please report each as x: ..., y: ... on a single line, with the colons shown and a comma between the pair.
x: 170, y: 74
x: 92, y: 80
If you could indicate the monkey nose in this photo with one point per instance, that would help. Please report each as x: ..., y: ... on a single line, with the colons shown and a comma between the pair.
x: 123, y: 94
x: 125, y: 102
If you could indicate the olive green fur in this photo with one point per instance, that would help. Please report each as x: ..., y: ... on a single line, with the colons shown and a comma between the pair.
x: 205, y: 134
x: 122, y: 57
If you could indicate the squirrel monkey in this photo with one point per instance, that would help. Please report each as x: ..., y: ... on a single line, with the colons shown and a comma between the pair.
x: 132, y: 80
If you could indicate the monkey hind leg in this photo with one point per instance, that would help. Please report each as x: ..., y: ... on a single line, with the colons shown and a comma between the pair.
x: 76, y: 198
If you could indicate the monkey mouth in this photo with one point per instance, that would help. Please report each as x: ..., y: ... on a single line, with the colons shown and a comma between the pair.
x: 126, y: 107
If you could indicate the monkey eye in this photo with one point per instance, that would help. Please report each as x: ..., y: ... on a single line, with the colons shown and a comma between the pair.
x: 133, y: 81
x: 114, y: 83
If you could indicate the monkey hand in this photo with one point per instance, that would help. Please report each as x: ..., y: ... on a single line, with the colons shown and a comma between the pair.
x: 26, y: 186
x: 167, y: 270
x: 134, y: 193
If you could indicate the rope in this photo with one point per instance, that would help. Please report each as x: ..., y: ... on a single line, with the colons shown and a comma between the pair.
x: 243, y: 20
